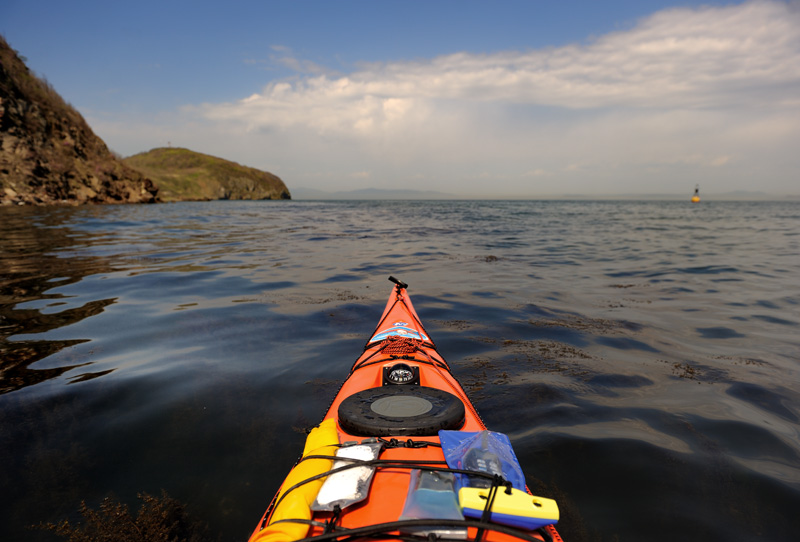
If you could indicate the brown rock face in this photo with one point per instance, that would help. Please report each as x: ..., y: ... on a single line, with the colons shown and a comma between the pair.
x: 48, y: 153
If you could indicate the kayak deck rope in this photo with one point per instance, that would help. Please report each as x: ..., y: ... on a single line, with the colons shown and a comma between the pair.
x: 388, y: 530
x: 332, y: 531
x: 497, y: 482
x: 482, y: 525
x: 401, y: 348
x: 399, y: 345
x: 408, y: 443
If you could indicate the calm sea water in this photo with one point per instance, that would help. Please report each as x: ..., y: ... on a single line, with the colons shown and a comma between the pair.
x: 643, y: 357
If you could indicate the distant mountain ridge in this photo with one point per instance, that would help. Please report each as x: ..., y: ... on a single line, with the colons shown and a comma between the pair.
x: 49, y: 154
x: 304, y: 193
x: 185, y: 175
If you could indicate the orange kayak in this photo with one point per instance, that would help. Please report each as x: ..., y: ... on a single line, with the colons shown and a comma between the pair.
x: 403, y: 454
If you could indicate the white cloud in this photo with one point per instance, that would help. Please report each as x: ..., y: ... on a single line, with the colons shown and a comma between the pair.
x: 676, y: 58
x: 685, y: 90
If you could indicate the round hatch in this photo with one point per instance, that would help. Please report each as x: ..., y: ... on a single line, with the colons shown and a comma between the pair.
x: 400, y: 411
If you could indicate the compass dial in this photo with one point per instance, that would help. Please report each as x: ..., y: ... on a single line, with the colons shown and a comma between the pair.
x: 400, y: 374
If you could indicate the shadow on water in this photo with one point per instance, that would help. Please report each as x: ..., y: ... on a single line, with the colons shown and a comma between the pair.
x: 48, y: 480
x: 44, y: 477
x: 159, y: 410
x: 755, y: 507
x: 101, y: 442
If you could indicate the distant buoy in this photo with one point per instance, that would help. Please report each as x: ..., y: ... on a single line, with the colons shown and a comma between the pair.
x: 696, y: 197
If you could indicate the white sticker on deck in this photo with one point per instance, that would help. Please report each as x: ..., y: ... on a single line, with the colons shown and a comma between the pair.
x: 400, y: 329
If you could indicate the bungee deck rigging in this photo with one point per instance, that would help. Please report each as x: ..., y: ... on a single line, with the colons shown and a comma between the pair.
x: 402, y: 454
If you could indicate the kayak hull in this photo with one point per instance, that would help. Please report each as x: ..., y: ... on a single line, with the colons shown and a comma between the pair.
x: 399, y: 390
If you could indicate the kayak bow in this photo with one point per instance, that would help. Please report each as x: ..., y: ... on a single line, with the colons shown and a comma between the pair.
x: 403, y: 454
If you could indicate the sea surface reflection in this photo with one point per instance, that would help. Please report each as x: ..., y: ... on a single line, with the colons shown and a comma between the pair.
x: 642, y: 356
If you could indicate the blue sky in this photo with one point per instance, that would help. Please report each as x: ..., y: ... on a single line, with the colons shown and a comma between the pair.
x: 502, y: 98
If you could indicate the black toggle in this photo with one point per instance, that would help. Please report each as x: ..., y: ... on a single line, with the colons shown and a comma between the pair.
x: 400, y: 283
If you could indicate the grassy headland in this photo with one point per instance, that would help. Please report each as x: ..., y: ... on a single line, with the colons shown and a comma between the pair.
x: 184, y: 175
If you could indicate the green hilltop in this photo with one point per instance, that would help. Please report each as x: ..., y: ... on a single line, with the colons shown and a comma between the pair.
x: 184, y: 175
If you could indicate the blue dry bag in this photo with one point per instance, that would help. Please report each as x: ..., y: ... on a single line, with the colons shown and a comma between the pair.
x: 484, y: 451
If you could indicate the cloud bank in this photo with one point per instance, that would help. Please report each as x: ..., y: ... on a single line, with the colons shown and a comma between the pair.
x: 707, y: 95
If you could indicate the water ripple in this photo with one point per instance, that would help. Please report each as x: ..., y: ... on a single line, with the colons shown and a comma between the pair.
x: 641, y: 355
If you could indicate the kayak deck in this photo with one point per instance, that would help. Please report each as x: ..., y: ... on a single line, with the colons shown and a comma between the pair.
x: 399, y: 394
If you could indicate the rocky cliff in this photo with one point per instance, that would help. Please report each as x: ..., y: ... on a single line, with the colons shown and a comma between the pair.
x: 184, y: 175
x: 48, y: 153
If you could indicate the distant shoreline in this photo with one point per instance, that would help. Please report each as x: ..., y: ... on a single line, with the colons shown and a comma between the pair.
x: 307, y: 194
